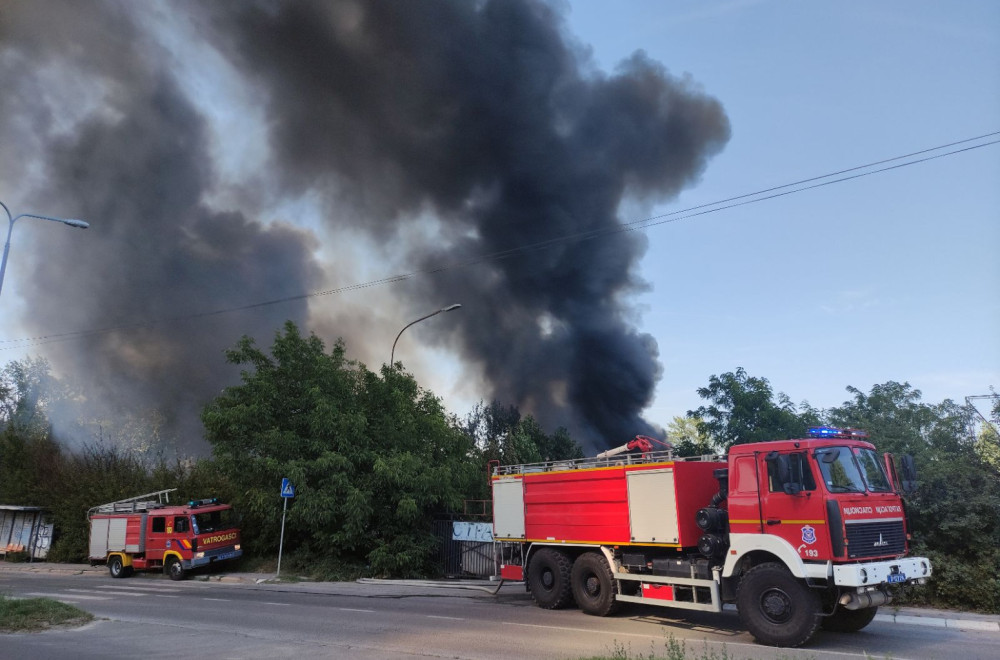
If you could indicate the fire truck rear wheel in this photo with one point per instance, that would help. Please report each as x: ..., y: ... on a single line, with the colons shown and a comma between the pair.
x: 174, y: 569
x: 117, y: 567
x: 593, y: 584
x: 776, y: 607
x: 549, y: 579
x: 849, y: 620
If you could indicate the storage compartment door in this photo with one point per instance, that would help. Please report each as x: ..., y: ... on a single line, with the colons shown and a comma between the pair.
x: 116, y: 534
x: 508, y: 509
x: 652, y: 506
x: 99, y: 538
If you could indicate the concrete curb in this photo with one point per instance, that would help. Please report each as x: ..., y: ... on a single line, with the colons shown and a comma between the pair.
x: 956, y: 623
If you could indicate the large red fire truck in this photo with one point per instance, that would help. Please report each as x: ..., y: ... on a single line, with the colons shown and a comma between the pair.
x: 797, y: 533
x: 144, y: 533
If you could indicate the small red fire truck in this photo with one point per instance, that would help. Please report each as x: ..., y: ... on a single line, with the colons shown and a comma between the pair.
x: 797, y: 533
x: 143, y: 533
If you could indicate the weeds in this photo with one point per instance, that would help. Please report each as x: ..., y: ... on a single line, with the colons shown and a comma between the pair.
x: 36, y: 614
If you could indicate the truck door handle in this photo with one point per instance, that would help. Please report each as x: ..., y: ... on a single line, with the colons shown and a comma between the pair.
x: 773, y: 521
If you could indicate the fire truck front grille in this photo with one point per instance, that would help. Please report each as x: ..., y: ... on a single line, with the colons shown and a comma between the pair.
x: 875, y: 539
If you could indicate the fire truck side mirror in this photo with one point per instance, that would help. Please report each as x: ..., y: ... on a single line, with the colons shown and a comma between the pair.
x: 779, y: 469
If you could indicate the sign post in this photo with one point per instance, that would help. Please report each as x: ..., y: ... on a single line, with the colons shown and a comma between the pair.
x: 287, y: 491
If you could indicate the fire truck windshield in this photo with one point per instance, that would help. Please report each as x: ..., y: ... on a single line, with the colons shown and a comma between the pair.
x: 840, y: 472
x: 847, y: 471
x: 872, y: 470
x: 214, y: 521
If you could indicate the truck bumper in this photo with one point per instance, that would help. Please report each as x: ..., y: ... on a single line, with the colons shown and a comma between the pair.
x: 213, y: 556
x: 875, y: 573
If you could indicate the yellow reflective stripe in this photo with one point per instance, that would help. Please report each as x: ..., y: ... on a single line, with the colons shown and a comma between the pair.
x: 572, y: 471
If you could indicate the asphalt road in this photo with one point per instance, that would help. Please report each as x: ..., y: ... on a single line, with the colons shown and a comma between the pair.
x: 148, y: 616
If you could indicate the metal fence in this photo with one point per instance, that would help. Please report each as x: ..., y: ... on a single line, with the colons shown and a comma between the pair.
x: 463, y: 558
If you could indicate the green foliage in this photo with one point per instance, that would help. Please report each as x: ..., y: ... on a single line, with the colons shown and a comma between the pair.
x: 501, y: 434
x: 744, y: 409
x: 34, y: 614
x: 373, y: 456
x: 955, y: 513
x: 26, y: 389
x: 687, y: 437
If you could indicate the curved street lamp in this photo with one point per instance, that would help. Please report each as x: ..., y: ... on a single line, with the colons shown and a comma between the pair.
x: 392, y: 358
x: 80, y: 224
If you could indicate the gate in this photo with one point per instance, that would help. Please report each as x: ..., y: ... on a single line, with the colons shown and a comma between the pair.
x: 466, y: 549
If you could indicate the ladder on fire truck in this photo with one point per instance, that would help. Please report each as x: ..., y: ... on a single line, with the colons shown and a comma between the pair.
x: 136, y: 504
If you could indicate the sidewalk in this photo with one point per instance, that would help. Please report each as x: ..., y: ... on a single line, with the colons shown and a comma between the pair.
x: 918, y: 616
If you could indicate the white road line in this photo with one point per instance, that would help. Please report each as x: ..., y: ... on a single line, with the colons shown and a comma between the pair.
x: 129, y: 587
x: 109, y: 593
x: 351, y: 609
x: 219, y: 600
x: 63, y: 597
x: 449, y: 618
x: 281, y: 604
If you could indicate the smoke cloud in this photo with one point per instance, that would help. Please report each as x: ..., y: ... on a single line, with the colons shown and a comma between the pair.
x: 480, y: 126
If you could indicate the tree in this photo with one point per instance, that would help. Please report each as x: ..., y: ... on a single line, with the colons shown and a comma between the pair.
x: 685, y: 434
x: 743, y: 409
x: 502, y: 434
x: 27, y: 388
x: 373, y: 456
x: 955, y: 513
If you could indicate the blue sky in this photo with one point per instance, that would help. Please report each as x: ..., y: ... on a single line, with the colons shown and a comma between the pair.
x: 891, y: 277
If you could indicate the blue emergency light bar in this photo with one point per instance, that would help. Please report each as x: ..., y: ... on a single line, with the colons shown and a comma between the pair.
x: 831, y: 432
x: 196, y: 503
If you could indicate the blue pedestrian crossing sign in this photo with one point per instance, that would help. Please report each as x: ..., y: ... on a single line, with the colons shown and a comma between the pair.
x: 287, y: 488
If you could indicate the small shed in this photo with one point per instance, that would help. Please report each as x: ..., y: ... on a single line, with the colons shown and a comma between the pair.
x: 24, y: 529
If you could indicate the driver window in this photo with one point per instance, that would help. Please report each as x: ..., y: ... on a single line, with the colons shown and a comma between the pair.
x: 799, y: 472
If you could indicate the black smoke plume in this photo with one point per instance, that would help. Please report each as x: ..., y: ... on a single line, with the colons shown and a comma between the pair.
x: 482, y: 120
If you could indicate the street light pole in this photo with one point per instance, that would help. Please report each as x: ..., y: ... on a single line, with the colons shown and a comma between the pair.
x: 392, y: 358
x: 80, y: 224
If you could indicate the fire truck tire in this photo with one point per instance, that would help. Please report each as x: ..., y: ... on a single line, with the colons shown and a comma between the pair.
x: 549, y: 579
x: 117, y: 567
x: 593, y: 584
x: 174, y: 569
x: 776, y: 607
x: 849, y: 620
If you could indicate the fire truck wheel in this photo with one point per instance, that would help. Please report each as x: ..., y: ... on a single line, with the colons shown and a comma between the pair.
x: 593, y: 584
x: 849, y: 620
x: 174, y: 569
x: 116, y: 567
x: 777, y: 608
x: 549, y: 579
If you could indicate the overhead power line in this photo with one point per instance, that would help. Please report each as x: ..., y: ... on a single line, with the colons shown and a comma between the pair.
x: 783, y: 190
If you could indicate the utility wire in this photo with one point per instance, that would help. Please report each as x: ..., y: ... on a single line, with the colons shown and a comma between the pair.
x: 635, y: 225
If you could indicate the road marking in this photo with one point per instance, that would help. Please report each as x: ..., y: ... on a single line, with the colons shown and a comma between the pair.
x: 61, y: 596
x: 351, y: 609
x: 282, y: 604
x: 449, y: 618
x: 129, y: 587
x: 219, y: 600
x: 109, y: 593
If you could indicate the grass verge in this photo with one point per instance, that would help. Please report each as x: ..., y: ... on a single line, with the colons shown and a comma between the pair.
x: 36, y: 614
